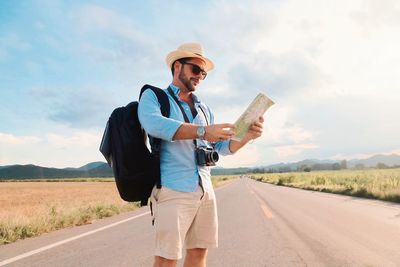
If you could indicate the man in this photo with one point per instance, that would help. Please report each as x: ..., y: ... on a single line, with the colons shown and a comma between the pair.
x: 184, y: 209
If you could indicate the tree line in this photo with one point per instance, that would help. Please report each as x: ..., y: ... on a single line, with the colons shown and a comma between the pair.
x: 342, y: 165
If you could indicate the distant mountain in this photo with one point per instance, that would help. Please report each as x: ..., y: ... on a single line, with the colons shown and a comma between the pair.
x: 229, y: 171
x: 92, y: 165
x: 86, y: 167
x: 293, y: 166
x: 37, y: 172
x: 101, y: 169
x: 388, y: 160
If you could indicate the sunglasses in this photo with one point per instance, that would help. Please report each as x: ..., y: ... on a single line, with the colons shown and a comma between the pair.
x: 196, y: 70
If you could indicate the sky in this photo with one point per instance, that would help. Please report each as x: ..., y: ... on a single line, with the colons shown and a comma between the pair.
x: 331, y: 67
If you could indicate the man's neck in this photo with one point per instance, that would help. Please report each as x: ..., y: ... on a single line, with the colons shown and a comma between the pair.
x: 184, y: 93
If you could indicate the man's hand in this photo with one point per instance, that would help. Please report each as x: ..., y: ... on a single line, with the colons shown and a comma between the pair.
x: 255, y: 130
x: 219, y: 132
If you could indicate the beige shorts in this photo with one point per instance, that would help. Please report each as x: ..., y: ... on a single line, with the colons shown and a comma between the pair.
x: 183, y: 219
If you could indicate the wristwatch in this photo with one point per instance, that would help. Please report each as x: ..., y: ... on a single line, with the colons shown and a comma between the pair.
x: 201, y: 131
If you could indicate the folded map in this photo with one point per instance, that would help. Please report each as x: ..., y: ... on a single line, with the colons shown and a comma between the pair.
x: 256, y: 109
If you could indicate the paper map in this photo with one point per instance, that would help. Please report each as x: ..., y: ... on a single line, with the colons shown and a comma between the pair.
x: 256, y: 109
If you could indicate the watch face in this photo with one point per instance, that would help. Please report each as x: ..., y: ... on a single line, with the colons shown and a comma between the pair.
x: 201, y: 131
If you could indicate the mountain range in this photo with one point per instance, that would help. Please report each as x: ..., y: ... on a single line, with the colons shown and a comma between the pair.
x: 101, y: 169
x: 93, y: 169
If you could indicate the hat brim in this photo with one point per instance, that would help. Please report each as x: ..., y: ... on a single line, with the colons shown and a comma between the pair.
x: 175, y: 55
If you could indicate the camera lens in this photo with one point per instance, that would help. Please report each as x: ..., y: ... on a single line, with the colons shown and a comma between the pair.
x: 213, y: 157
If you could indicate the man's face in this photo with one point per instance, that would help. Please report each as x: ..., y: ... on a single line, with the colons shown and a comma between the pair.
x: 186, y: 75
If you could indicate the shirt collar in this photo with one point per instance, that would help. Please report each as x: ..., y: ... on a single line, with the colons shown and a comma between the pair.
x: 176, y: 91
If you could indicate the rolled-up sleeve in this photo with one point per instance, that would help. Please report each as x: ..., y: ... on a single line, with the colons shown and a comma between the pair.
x: 222, y: 148
x: 151, y: 119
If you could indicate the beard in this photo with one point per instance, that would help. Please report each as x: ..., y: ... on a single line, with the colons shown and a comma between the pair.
x: 186, y: 82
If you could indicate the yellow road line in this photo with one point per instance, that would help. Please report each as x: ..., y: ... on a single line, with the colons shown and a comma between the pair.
x: 267, y: 211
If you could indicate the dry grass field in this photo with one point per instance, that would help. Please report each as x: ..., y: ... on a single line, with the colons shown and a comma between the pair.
x: 220, y: 180
x: 31, y: 208
x: 383, y: 184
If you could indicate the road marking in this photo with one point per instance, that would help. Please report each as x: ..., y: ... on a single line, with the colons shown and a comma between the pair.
x: 267, y: 211
x: 33, y: 252
x: 30, y: 253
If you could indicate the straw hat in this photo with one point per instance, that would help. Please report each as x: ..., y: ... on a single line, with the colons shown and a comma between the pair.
x: 189, y: 50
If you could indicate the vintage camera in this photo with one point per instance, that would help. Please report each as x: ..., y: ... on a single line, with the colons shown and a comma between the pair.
x: 206, y: 156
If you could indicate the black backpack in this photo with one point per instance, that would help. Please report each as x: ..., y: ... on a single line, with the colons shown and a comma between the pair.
x: 136, y: 169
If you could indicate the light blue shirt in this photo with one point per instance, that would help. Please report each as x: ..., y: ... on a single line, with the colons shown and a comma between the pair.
x: 179, y: 170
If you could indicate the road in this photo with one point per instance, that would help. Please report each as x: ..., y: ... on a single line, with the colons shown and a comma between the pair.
x: 260, y: 225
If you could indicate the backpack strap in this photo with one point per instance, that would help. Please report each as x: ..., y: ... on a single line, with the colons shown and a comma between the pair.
x: 161, y: 96
x: 155, y: 143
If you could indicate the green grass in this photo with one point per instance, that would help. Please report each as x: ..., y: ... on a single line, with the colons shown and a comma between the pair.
x: 372, y: 183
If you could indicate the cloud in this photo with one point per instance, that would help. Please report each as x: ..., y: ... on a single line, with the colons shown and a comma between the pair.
x: 80, y: 139
x: 280, y: 129
x: 10, y: 139
x: 247, y: 156
x: 70, y: 149
x: 329, y: 74
x: 77, y: 108
x: 292, y: 150
x: 128, y: 49
x: 100, y: 19
x: 364, y: 155
x: 332, y: 69
x: 281, y: 75
x: 377, y: 15
x: 299, y: 50
x: 265, y: 50
x: 293, y: 134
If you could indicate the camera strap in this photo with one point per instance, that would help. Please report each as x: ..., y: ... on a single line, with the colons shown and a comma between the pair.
x: 183, y: 112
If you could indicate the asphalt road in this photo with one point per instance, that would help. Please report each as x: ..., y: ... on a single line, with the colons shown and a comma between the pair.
x: 260, y: 225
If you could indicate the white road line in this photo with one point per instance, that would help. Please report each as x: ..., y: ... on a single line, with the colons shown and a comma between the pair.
x: 30, y: 253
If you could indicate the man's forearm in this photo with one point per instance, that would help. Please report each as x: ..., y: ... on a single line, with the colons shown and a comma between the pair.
x: 213, y: 133
x: 186, y: 131
x: 189, y: 131
x: 236, y: 145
